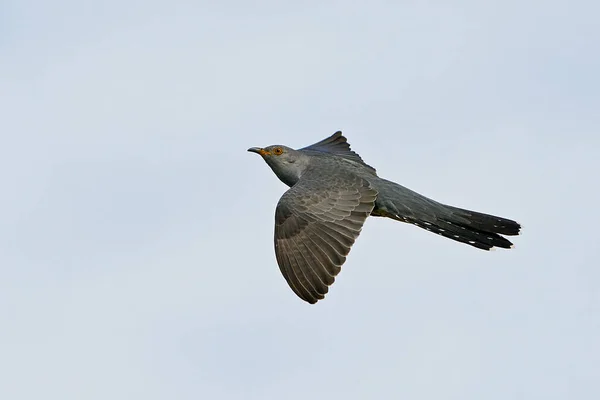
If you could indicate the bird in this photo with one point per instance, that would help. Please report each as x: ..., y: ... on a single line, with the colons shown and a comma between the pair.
x: 331, y: 193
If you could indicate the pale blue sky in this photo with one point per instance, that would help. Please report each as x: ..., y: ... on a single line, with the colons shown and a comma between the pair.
x: 136, y: 248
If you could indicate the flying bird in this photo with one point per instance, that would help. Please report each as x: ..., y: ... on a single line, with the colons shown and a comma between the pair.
x: 332, y: 192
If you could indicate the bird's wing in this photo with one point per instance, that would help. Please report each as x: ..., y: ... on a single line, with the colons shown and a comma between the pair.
x: 316, y: 223
x: 338, y: 144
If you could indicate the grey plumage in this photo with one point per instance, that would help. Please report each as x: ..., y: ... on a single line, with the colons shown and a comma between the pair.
x: 332, y: 192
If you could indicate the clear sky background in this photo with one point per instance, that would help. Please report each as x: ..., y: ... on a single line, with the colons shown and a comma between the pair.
x: 136, y: 254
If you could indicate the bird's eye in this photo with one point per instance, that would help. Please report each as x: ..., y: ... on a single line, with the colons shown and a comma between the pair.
x: 278, y: 151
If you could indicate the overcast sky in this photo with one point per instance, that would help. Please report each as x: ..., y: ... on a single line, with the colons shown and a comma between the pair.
x: 136, y: 232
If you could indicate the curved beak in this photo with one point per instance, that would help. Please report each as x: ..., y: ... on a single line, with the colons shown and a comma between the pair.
x: 259, y: 150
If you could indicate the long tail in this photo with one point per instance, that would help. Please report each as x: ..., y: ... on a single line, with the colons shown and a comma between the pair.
x: 476, y: 229
x: 470, y: 227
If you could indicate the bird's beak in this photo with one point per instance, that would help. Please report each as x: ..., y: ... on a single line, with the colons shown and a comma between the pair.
x: 259, y: 150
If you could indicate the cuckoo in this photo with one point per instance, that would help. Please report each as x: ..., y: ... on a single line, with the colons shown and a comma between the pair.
x: 332, y: 192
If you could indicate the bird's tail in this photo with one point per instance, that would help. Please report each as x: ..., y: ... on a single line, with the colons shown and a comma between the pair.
x: 476, y: 229
x: 480, y: 230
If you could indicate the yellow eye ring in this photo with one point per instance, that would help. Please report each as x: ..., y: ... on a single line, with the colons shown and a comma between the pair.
x: 278, y: 151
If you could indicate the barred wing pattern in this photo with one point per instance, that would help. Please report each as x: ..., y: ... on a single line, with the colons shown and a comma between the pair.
x: 316, y: 224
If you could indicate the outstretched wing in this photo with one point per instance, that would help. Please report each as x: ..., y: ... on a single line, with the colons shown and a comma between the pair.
x: 338, y: 144
x: 316, y: 223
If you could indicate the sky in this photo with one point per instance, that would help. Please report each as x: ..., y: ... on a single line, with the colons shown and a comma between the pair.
x: 136, y: 242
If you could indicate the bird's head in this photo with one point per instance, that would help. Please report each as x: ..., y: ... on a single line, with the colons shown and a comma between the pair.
x: 288, y: 164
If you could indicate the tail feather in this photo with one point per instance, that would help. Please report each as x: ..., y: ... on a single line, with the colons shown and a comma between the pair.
x: 467, y: 234
x: 488, y: 223
x: 470, y: 227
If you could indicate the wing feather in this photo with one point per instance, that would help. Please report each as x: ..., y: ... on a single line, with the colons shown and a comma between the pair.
x: 316, y: 223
